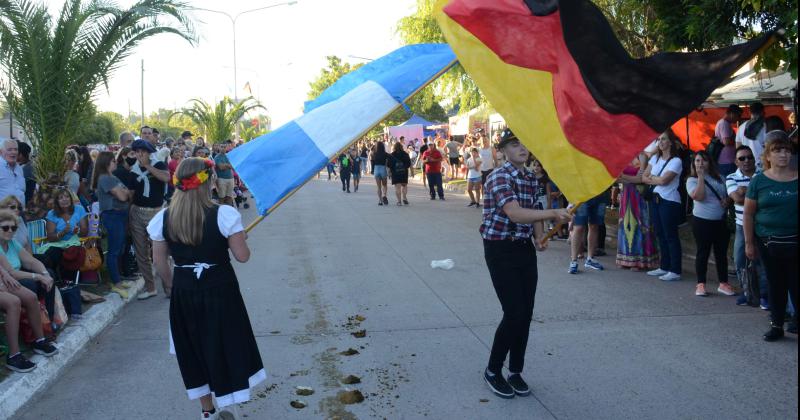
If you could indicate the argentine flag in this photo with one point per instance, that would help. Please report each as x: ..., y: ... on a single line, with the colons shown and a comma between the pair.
x: 275, y: 164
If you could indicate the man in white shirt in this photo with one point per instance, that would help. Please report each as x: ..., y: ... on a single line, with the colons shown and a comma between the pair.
x: 752, y: 133
x: 12, y: 179
x: 736, y: 184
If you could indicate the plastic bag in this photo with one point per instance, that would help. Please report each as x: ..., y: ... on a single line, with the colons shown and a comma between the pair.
x: 443, y: 264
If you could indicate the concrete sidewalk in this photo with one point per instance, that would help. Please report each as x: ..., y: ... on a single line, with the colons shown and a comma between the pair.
x: 19, y: 388
x: 611, y: 344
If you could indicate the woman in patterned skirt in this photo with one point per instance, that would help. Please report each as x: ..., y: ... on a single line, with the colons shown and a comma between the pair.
x: 636, y: 238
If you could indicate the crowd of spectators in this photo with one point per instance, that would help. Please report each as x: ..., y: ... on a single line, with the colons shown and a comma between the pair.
x: 55, y: 232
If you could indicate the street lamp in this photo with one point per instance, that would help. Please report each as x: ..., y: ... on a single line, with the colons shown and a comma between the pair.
x: 233, y: 26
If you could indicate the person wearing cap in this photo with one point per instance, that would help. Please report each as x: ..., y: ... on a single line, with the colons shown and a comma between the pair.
x: 151, y: 178
x: 752, y: 133
x: 512, y: 231
x: 186, y: 136
x: 724, y: 132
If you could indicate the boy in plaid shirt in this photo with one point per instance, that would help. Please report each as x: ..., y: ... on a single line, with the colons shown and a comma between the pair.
x: 512, y: 230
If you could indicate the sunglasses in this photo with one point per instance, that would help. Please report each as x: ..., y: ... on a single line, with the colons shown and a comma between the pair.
x: 745, y: 158
x: 8, y: 227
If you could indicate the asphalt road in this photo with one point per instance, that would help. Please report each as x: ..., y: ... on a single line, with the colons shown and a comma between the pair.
x: 611, y: 344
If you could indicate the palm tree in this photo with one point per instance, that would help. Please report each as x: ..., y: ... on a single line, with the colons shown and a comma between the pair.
x: 218, y: 122
x: 56, y: 66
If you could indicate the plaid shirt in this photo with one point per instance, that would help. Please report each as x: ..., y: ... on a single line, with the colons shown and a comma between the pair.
x: 505, y: 184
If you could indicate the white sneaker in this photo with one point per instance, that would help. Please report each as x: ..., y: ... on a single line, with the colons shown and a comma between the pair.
x: 670, y: 277
x: 657, y: 272
x: 146, y: 295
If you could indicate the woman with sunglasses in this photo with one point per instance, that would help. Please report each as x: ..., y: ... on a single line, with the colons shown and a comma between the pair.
x: 13, y: 204
x: 14, y: 295
x: 770, y: 226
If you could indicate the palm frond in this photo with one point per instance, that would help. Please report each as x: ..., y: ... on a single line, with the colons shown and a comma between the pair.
x: 56, y: 67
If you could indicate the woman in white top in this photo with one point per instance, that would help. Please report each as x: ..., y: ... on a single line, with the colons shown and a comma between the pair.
x: 488, y: 157
x: 709, y: 224
x: 474, y: 185
x: 664, y: 172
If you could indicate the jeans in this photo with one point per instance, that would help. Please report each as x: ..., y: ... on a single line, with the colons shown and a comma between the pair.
x: 781, y: 265
x: 344, y: 176
x: 740, y: 259
x: 711, y: 234
x: 512, y: 266
x: 435, y: 181
x: 668, y: 217
x: 116, y: 223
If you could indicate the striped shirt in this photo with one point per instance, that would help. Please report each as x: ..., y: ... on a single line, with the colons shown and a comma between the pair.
x: 504, y: 184
x: 732, y: 183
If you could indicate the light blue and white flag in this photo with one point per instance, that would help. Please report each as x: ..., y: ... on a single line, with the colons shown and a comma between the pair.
x: 277, y: 163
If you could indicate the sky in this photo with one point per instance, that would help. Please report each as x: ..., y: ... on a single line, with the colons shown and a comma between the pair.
x: 279, y: 51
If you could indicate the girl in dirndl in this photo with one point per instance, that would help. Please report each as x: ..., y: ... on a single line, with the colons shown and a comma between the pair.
x: 210, y: 331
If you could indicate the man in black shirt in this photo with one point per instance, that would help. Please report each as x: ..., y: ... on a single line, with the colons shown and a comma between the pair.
x: 151, y: 177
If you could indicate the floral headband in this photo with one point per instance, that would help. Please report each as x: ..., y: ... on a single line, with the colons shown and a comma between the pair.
x: 196, y: 179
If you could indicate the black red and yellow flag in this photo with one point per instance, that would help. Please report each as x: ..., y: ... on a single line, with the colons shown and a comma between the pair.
x: 569, y: 90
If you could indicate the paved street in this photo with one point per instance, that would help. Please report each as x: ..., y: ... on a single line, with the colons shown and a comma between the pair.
x: 610, y: 344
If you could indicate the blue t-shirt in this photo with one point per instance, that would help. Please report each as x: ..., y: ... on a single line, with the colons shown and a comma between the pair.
x: 223, y: 173
x: 77, y: 215
x: 12, y: 255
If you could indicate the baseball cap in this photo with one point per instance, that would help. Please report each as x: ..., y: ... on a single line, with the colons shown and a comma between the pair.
x: 143, y: 145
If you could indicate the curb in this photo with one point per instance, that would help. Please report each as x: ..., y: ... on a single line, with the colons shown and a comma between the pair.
x: 19, y: 388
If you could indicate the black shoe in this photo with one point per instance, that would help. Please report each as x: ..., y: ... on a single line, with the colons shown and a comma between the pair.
x: 498, y: 384
x: 433, y: 198
x: 44, y: 348
x: 472, y: 204
x: 19, y: 363
x: 342, y: 187
x: 380, y: 203
x: 441, y: 198
x: 405, y: 202
x: 385, y: 201
x: 775, y: 333
x: 519, y: 385
x: 348, y: 191
x: 792, y: 327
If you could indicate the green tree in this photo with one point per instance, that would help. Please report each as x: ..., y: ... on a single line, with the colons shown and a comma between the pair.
x: 56, y: 65
x: 218, y: 122
x: 329, y: 75
x: 699, y: 25
x: 455, y: 85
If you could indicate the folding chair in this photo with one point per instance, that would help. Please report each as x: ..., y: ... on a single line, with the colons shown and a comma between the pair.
x: 37, y: 234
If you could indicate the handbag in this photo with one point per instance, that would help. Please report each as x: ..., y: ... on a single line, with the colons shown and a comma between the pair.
x: 25, y: 328
x: 92, y: 260
x: 749, y: 280
x: 72, y: 258
x: 71, y: 297
x: 649, y: 192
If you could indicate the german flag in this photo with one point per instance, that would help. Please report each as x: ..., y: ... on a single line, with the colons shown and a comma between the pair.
x: 569, y: 90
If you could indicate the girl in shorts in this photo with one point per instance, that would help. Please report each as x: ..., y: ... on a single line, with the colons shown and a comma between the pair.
x: 474, y: 185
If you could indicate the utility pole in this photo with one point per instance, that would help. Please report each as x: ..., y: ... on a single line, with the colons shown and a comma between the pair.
x: 142, y: 93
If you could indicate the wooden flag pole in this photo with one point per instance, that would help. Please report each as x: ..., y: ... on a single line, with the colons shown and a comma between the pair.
x: 261, y: 217
x: 556, y: 228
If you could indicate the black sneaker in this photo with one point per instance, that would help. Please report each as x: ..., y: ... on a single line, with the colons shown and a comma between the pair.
x: 385, y: 201
x: 775, y: 333
x: 497, y: 383
x: 519, y: 385
x: 791, y: 327
x: 44, y: 348
x: 19, y: 363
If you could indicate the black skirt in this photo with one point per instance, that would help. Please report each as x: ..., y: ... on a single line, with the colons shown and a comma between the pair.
x: 211, y: 335
x: 400, y: 177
